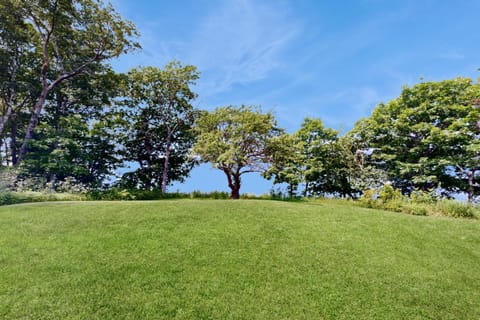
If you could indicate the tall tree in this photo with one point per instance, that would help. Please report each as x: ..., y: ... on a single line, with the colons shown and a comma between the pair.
x: 18, y: 86
x: 76, y: 135
x: 236, y: 140
x: 70, y: 36
x: 159, y: 119
x: 427, y: 137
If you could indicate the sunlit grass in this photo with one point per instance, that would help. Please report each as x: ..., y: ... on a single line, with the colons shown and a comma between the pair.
x: 207, y: 259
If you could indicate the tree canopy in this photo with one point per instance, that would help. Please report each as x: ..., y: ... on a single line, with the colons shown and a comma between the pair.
x: 236, y: 140
x: 63, y: 39
x: 427, y: 137
x: 158, y: 121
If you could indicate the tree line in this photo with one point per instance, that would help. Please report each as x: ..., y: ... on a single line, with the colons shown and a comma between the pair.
x: 68, y: 118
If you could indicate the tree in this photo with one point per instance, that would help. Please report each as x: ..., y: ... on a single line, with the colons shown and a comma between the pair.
x: 236, y: 140
x: 71, y: 37
x: 18, y: 87
x: 301, y: 157
x: 76, y: 135
x: 322, y: 161
x: 287, y: 163
x: 159, y: 118
x: 426, y: 138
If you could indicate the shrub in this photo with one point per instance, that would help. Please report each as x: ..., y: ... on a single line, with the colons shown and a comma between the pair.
x: 209, y: 195
x: 110, y: 194
x: 395, y: 205
x: 369, y: 198
x: 133, y: 194
x: 419, y: 203
x: 427, y: 197
x: 415, y: 209
x: 70, y: 185
x: 9, y: 198
x: 389, y: 194
x: 32, y: 196
x: 455, y: 209
x: 8, y: 178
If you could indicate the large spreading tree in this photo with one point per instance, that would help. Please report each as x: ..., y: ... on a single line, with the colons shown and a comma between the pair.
x: 427, y: 138
x: 236, y: 140
x: 57, y: 40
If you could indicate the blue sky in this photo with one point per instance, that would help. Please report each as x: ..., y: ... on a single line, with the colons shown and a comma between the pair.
x: 334, y: 60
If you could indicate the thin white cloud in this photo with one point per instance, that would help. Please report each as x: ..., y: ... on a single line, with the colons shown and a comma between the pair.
x: 240, y: 41
x: 234, y: 42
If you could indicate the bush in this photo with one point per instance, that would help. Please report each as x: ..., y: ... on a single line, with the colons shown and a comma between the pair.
x: 415, y: 209
x: 32, y: 196
x: 419, y: 203
x: 455, y: 209
x: 210, y: 195
x: 133, y: 194
x: 9, y: 198
x: 369, y: 198
x: 395, y: 205
x: 110, y: 194
x: 390, y: 194
x: 427, y: 197
x: 8, y: 179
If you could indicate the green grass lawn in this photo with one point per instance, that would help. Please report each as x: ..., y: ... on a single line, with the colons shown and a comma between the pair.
x: 207, y: 259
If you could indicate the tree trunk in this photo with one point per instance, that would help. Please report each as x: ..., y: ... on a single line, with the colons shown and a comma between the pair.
x: 166, y: 163
x: 290, y: 190
x: 5, y: 160
x: 13, y: 140
x: 471, y: 176
x: 11, y: 94
x: 33, y: 122
x: 148, y: 183
x: 233, y: 183
x: 235, y: 194
x: 305, y: 191
x: 5, y: 118
x: 236, y: 186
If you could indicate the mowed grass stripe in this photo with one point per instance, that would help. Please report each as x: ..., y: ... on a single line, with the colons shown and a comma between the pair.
x: 207, y: 259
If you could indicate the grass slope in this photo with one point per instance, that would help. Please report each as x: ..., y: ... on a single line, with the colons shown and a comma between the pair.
x: 203, y: 259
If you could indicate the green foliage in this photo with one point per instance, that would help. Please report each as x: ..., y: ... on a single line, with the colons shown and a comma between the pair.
x: 286, y: 164
x: 68, y: 39
x: 12, y: 197
x: 416, y: 209
x: 316, y: 157
x: 8, y: 197
x: 56, y: 88
x: 209, y: 195
x: 418, y: 203
x: 426, y: 197
x: 157, y: 118
x: 156, y: 194
x: 455, y: 209
x: 8, y: 178
x: 426, y: 138
x: 369, y: 198
x: 84, y: 153
x: 131, y: 194
x: 388, y: 193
